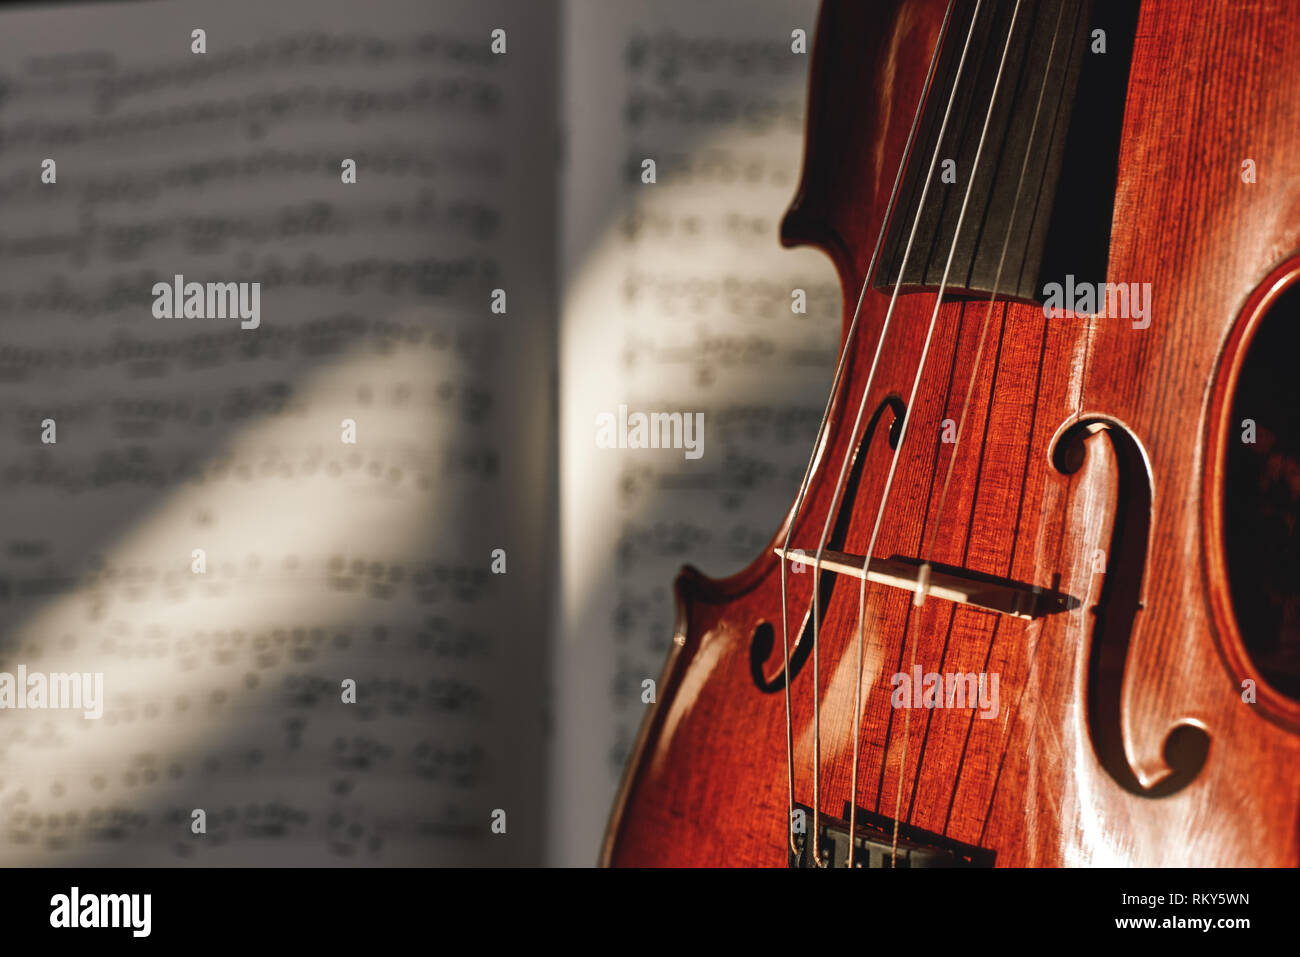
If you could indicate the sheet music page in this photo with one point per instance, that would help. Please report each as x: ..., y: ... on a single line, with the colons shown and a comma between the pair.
x: 677, y: 299
x: 229, y: 519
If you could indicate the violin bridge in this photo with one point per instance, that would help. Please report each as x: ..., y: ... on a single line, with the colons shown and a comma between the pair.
x: 925, y: 579
x: 873, y: 845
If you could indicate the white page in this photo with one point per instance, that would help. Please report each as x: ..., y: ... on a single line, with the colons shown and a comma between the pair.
x: 324, y: 560
x: 677, y: 298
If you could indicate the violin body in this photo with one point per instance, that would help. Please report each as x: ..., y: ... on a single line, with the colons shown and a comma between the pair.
x: 1131, y: 727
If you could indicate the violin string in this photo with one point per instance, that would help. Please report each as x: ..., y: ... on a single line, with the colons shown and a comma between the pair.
x: 950, y: 379
x: 821, y: 430
x: 821, y: 547
x: 848, y: 456
x: 1033, y: 633
x: 927, y: 552
x: 1074, y: 633
x: 997, y: 279
x: 922, y: 580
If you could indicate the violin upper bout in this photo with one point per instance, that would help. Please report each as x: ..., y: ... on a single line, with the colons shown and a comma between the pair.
x: 870, y: 60
x: 800, y: 227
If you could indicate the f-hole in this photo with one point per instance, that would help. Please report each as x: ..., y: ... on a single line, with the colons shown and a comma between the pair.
x: 764, y: 640
x: 1186, y: 745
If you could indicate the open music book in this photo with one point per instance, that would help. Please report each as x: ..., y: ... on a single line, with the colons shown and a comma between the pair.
x: 418, y: 471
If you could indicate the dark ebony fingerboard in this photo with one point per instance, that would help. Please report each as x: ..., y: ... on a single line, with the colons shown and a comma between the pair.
x: 1058, y: 217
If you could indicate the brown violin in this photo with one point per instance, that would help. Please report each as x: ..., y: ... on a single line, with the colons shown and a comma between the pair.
x: 1037, y: 600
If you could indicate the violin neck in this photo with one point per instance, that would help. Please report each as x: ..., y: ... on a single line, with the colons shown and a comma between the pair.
x: 1039, y: 176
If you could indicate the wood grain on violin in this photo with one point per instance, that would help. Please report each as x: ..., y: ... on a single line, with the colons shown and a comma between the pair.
x: 1141, y: 709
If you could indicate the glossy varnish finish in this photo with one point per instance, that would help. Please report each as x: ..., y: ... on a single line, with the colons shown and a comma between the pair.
x: 1121, y: 735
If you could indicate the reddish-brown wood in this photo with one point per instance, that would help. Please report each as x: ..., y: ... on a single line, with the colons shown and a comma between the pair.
x: 1074, y: 769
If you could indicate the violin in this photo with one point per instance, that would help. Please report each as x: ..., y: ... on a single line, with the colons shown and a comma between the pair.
x: 1035, y: 601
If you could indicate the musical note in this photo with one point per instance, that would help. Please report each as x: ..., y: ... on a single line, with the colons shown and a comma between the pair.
x: 686, y: 305
x: 201, y: 531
